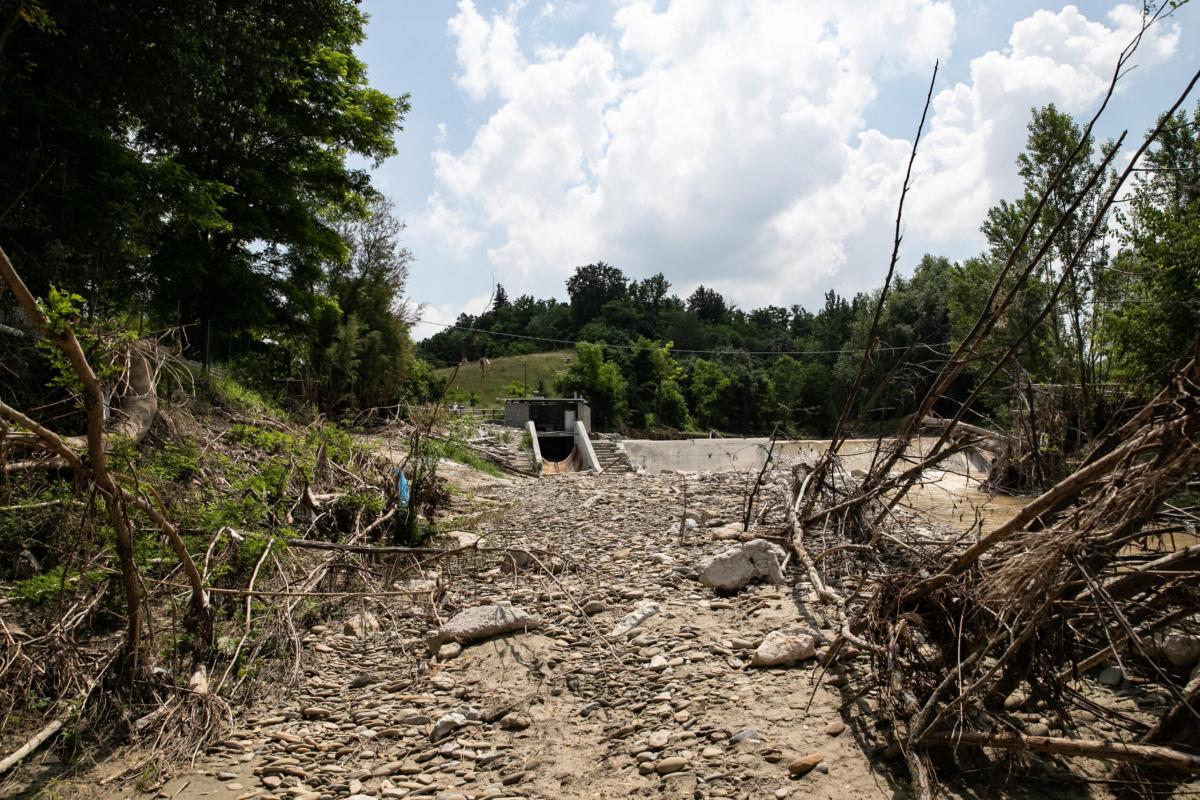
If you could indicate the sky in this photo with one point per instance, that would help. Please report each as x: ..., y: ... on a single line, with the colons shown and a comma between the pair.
x: 756, y: 147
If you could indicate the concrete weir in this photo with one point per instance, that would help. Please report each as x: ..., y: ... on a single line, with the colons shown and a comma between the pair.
x: 745, y: 455
x: 952, y: 494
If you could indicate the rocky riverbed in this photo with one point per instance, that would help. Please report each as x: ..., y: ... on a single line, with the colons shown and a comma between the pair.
x: 626, y: 676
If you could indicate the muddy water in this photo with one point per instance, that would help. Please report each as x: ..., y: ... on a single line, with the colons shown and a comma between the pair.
x: 957, y: 501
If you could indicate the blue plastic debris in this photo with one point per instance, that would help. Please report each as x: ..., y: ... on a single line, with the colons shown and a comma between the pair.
x: 402, y: 487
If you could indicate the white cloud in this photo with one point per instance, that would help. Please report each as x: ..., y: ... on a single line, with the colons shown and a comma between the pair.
x: 967, y: 162
x: 487, y: 52
x: 439, y: 222
x: 725, y: 143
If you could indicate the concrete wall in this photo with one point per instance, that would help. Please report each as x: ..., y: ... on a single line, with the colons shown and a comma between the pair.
x: 535, y: 446
x: 583, y: 448
x: 745, y: 455
x: 516, y: 415
x: 553, y: 411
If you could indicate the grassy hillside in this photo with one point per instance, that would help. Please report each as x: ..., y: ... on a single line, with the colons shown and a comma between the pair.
x: 504, y: 371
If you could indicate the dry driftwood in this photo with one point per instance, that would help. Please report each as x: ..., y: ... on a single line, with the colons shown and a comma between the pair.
x: 1149, y: 755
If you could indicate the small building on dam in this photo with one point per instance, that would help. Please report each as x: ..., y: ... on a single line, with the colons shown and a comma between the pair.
x: 554, y: 419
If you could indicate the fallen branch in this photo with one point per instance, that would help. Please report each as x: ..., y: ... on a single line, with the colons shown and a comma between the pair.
x: 1150, y: 755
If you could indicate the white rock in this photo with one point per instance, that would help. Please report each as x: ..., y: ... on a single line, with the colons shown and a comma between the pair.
x: 736, y: 566
x: 447, y: 724
x: 634, y: 619
x: 730, y: 532
x: 454, y: 540
x: 483, y: 622
x: 782, y: 647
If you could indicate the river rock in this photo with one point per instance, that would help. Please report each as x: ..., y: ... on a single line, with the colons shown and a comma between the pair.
x: 733, y: 568
x: 658, y: 740
x: 1178, y: 649
x: 449, y: 723
x: 456, y: 540
x: 483, y: 622
x: 361, y: 624
x: 834, y: 728
x: 671, y: 764
x: 515, y: 721
x: 782, y: 647
x: 727, y: 533
x: 634, y: 619
x: 804, y: 764
x: 594, y: 607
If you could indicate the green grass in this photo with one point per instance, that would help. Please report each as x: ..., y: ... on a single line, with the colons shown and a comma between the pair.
x: 504, y: 371
x: 463, y: 455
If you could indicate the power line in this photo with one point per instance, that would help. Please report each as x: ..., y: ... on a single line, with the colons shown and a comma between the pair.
x: 636, y: 347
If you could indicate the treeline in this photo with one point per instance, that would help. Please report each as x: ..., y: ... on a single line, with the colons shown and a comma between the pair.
x: 1122, y: 314
x: 648, y: 358
x: 196, y: 171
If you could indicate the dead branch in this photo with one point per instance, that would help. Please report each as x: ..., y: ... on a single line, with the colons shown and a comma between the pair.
x: 1149, y: 755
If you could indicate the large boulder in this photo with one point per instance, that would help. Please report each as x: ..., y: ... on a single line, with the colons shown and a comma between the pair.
x: 781, y: 648
x: 733, y: 568
x: 483, y: 622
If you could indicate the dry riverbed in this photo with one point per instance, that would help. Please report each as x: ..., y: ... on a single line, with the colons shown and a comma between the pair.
x: 570, y: 708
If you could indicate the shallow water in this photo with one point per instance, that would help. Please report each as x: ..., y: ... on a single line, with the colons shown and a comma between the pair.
x: 957, y: 501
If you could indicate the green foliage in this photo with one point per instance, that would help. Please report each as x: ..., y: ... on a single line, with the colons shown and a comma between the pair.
x: 1158, y: 271
x: 359, y: 353
x: 235, y: 395
x: 592, y: 288
x: 203, y: 165
x: 599, y: 381
x: 178, y: 460
x: 41, y: 589
x: 517, y: 389
x: 1062, y: 347
x: 458, y: 451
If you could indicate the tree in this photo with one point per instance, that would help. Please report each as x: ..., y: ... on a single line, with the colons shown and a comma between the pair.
x: 591, y: 287
x: 708, y: 305
x: 499, y: 298
x: 650, y: 293
x: 1062, y: 347
x: 1154, y: 309
x: 597, y: 380
x: 364, y: 354
x: 188, y: 159
x: 805, y: 392
x: 655, y: 397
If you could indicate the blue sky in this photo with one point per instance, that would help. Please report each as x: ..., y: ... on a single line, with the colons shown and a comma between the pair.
x: 756, y: 147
